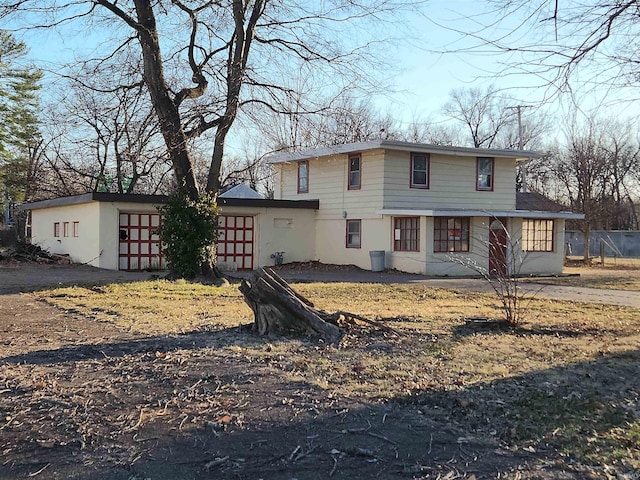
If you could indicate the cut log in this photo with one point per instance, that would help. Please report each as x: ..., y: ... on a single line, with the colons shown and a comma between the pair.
x: 279, y: 309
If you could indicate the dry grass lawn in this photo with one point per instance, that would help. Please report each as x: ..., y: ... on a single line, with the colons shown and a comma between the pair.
x: 567, y: 379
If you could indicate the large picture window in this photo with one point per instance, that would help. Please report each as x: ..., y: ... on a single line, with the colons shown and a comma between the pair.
x: 354, y: 233
x: 484, y: 168
x: 303, y: 177
x: 537, y: 235
x: 355, y: 167
x: 406, y: 234
x: 419, y: 170
x: 451, y: 234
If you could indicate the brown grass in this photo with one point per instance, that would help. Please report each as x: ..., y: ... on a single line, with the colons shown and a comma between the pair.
x: 438, y: 352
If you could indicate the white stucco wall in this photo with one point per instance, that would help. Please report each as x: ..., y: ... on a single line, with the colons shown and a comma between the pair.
x: 85, y: 248
x: 289, y: 230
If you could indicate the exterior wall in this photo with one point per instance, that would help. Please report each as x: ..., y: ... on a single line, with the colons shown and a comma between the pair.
x: 289, y: 230
x: 331, y: 241
x: 377, y: 235
x: 85, y: 248
x: 452, y: 184
x: 535, y: 263
x: 328, y: 183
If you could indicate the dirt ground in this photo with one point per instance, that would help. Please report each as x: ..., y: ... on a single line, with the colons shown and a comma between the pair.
x: 90, y: 400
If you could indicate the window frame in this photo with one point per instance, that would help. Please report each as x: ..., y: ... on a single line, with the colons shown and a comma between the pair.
x: 76, y: 229
x: 350, y: 185
x: 412, y: 171
x: 304, y: 189
x: 56, y: 229
x: 491, y: 175
x: 450, y: 242
x: 65, y: 229
x: 542, y: 240
x: 348, y: 243
x: 400, y: 243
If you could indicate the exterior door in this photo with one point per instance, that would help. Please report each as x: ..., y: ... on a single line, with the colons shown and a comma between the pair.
x: 235, y: 241
x: 498, y: 241
x: 139, y: 246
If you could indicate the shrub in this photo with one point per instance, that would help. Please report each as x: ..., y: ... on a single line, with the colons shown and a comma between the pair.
x: 188, y: 231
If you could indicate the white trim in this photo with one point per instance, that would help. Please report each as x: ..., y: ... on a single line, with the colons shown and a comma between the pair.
x: 480, y: 213
x: 310, y: 154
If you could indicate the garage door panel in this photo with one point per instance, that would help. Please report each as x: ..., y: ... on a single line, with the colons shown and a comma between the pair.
x: 139, y: 247
x: 235, y: 241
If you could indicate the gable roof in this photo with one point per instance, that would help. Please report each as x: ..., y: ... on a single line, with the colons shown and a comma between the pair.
x: 240, y: 191
x: 539, y: 203
x: 345, y: 148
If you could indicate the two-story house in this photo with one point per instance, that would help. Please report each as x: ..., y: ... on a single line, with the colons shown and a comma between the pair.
x: 433, y: 210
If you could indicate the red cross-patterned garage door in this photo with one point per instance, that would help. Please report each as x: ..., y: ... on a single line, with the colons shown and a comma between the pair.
x: 235, y: 241
x: 139, y: 243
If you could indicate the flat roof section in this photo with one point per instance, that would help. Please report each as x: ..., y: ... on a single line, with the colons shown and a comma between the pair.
x: 161, y: 199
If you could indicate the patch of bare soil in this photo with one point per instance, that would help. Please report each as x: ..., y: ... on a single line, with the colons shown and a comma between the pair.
x: 80, y: 398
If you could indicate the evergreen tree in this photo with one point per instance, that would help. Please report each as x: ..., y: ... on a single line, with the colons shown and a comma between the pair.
x: 19, y: 86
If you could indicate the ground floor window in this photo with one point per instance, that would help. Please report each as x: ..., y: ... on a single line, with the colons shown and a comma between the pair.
x: 406, y: 234
x: 451, y: 234
x: 354, y: 233
x: 537, y: 235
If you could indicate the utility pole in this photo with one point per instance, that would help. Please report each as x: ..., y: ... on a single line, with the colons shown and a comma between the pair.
x: 523, y: 168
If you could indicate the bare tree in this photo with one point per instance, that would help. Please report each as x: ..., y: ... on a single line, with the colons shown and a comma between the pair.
x: 483, y: 112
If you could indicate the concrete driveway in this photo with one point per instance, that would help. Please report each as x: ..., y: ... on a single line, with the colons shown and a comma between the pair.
x: 575, y: 294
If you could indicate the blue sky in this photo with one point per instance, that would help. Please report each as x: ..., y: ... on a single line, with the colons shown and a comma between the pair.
x: 424, y: 75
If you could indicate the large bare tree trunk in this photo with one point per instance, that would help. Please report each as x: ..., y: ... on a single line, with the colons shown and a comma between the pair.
x: 279, y: 309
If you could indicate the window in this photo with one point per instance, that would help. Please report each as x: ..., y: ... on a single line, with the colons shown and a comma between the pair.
x: 451, y: 234
x: 484, y: 166
x: 76, y: 229
x: 537, y: 235
x: 419, y: 170
x: 354, y: 172
x: 406, y: 234
x: 56, y: 229
x: 303, y: 177
x: 354, y: 228
x: 65, y: 228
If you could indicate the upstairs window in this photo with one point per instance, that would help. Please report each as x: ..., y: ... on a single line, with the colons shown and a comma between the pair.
x: 354, y: 229
x: 537, y: 235
x: 303, y: 176
x: 484, y: 167
x: 419, y: 170
x: 406, y: 234
x: 355, y: 162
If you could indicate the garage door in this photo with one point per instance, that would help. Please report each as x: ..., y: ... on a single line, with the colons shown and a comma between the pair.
x: 139, y: 244
x: 235, y: 241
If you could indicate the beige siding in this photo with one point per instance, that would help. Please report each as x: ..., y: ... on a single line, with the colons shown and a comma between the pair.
x: 328, y: 183
x: 452, y: 184
x: 85, y: 248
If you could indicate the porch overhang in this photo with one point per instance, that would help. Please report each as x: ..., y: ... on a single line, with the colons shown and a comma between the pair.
x: 480, y: 213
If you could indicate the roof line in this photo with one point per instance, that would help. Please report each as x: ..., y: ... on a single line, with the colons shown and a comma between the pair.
x: 346, y: 148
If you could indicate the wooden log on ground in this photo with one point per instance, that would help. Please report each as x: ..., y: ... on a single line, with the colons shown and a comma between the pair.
x: 277, y: 308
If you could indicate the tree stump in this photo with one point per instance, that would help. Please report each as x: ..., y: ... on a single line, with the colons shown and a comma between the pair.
x: 279, y: 309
